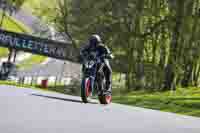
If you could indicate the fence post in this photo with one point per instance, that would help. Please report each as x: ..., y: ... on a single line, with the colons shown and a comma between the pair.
x: 56, y: 81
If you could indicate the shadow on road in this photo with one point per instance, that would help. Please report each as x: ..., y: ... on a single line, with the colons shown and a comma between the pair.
x: 63, y: 99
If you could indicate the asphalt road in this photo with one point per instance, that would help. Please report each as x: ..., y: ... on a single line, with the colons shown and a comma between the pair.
x: 35, y: 111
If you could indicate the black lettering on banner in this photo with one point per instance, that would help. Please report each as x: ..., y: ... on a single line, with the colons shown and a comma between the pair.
x: 35, y: 45
x: 30, y: 44
x: 16, y: 42
x: 3, y: 39
x: 24, y: 44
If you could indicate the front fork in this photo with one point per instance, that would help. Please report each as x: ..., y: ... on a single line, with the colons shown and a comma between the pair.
x: 90, y: 77
x: 92, y: 80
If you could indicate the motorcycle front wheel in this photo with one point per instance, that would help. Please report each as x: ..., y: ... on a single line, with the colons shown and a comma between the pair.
x: 105, y: 98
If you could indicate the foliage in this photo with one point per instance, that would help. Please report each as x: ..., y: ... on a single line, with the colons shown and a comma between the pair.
x: 155, y: 42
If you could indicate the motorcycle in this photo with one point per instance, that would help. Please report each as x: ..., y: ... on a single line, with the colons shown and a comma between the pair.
x: 94, y: 80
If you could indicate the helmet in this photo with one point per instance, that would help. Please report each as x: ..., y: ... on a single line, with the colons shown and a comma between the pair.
x: 95, y: 40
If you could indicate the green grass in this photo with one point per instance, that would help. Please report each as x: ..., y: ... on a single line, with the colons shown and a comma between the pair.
x: 2, y: 82
x: 11, y: 83
x: 182, y: 101
x: 51, y: 88
x: 34, y: 59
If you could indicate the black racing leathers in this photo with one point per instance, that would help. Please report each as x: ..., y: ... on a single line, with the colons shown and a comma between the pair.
x: 101, y: 51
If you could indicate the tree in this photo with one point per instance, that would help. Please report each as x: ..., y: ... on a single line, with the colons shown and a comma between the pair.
x: 155, y: 42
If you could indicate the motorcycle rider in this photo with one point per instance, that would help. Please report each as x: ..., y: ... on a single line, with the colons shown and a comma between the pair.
x: 96, y: 47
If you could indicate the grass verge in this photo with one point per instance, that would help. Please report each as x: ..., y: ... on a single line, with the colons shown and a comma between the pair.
x: 183, y: 101
x: 18, y: 85
x: 51, y: 88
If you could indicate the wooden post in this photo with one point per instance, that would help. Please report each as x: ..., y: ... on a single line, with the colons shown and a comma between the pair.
x: 56, y: 81
x: 10, y: 55
x: 15, y: 55
x: 32, y: 79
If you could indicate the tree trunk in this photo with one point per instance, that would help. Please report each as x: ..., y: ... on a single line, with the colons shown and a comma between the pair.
x: 196, y: 73
x: 140, y: 75
x: 170, y: 70
x: 187, y: 75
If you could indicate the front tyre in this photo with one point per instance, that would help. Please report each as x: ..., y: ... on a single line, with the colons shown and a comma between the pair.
x: 105, y: 98
x: 86, y: 89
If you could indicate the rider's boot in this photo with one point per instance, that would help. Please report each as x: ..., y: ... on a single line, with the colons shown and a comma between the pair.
x: 108, y: 89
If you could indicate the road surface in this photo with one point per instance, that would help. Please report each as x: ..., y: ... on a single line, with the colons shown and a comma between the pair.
x: 35, y: 111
